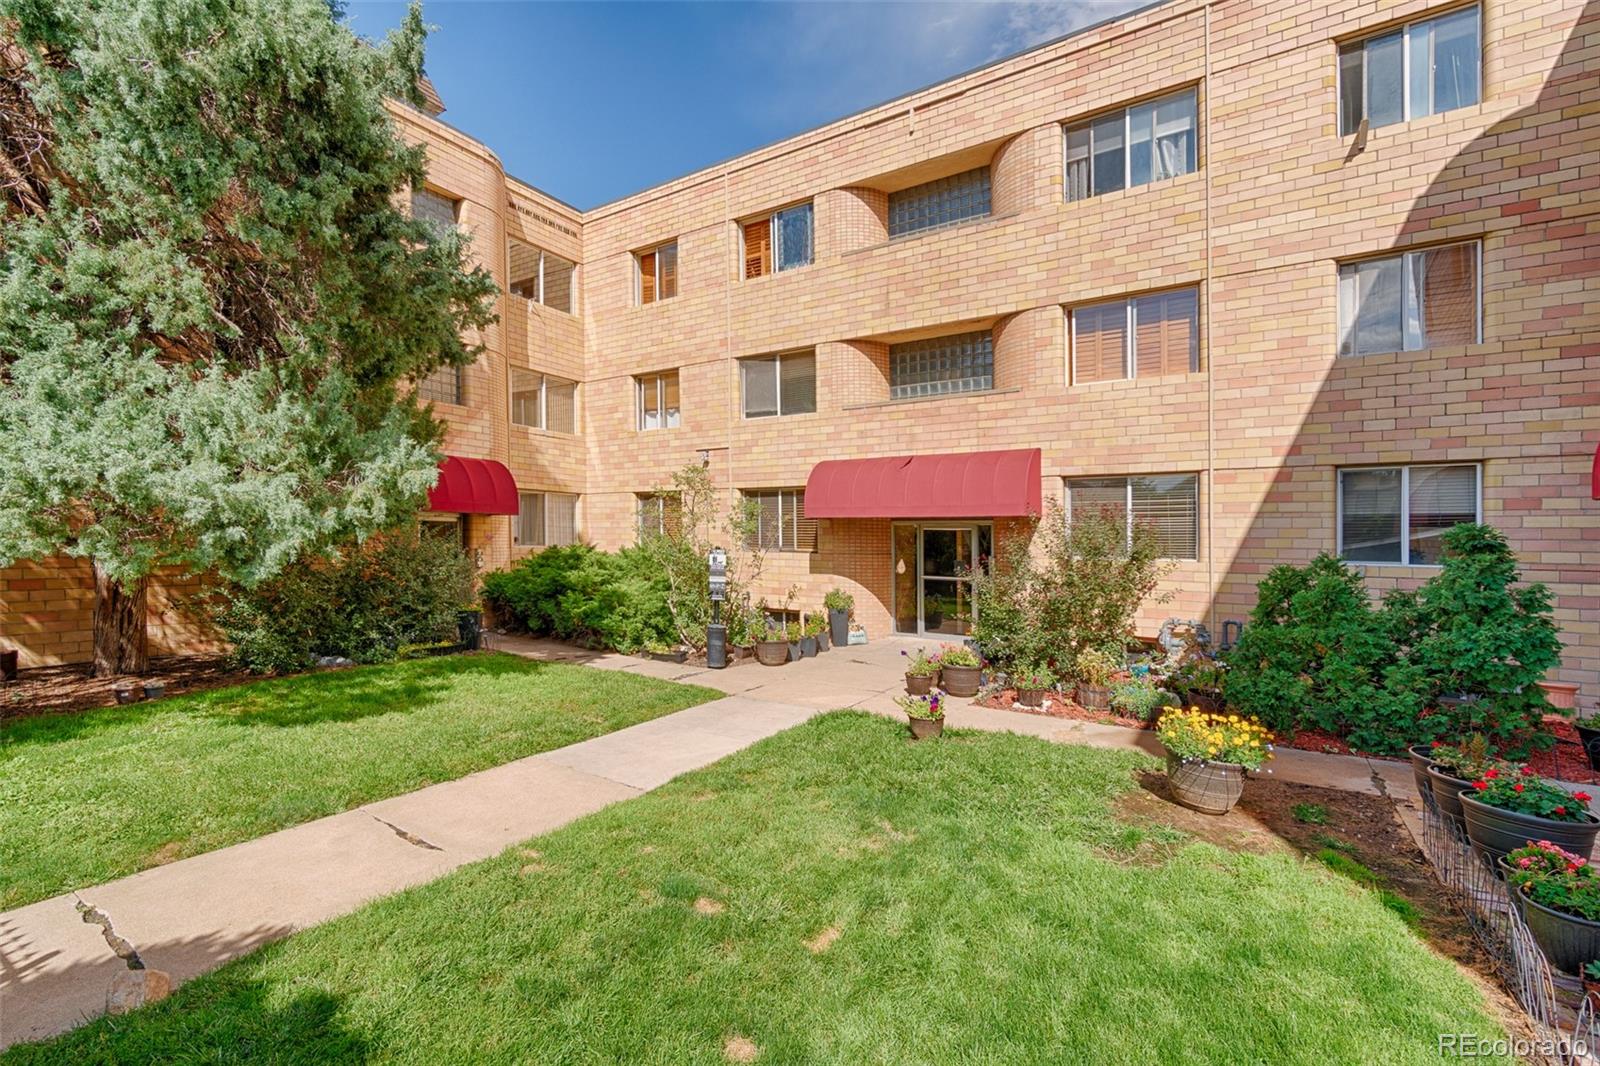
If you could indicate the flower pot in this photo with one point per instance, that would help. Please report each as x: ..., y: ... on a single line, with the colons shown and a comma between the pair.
x: 923, y: 728
x: 1447, y: 794
x: 772, y: 652
x: 919, y: 684
x: 1590, y: 735
x: 1495, y: 832
x: 1569, y: 942
x: 1030, y: 697
x: 469, y: 629
x: 1421, y: 759
x: 839, y: 626
x: 1094, y: 697
x: 1205, y: 786
x: 1591, y: 992
x: 796, y: 651
x: 8, y: 664
x: 154, y: 690
x: 676, y: 655
x: 129, y: 693
x: 822, y: 641
x: 959, y: 680
x: 1563, y: 695
x: 1502, y: 870
x: 808, y: 647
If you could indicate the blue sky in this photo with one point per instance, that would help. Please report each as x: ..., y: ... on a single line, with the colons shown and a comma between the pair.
x: 592, y: 101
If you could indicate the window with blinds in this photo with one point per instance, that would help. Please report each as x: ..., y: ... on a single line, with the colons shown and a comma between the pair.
x: 1148, y: 336
x: 657, y: 273
x: 942, y: 202
x: 543, y: 402
x: 783, y: 384
x: 445, y: 385
x: 441, y: 211
x: 1152, y: 141
x: 940, y: 366
x: 782, y: 523
x: 780, y: 241
x: 1422, y: 68
x: 1398, y: 514
x: 545, y: 519
x: 540, y: 277
x: 656, y: 400
x: 1403, y: 303
x: 1169, y: 504
x: 659, y: 513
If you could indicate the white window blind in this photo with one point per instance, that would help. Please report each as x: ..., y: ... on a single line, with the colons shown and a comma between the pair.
x: 545, y: 519
x: 656, y: 400
x: 782, y: 524
x: 1168, y: 503
x: 1398, y: 514
x: 543, y: 402
x: 779, y: 384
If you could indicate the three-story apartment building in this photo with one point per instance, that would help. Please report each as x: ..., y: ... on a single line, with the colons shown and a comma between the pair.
x: 1278, y: 278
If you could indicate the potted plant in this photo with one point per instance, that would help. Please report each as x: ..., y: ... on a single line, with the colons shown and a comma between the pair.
x: 921, y: 673
x: 823, y: 641
x: 1139, y: 697
x: 469, y: 626
x: 839, y: 604
x: 1560, y: 897
x: 1505, y: 809
x: 808, y: 637
x: 773, y: 647
x: 1421, y: 756
x: 662, y: 652
x: 1032, y: 681
x: 795, y: 636
x: 1562, y: 695
x: 1208, y: 754
x: 924, y: 713
x: 1454, y: 768
x: 959, y: 669
x: 1093, y: 668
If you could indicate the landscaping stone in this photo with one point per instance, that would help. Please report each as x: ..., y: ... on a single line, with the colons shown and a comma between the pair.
x: 132, y: 989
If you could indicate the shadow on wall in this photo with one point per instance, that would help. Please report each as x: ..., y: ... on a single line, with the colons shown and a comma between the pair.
x: 1525, y: 402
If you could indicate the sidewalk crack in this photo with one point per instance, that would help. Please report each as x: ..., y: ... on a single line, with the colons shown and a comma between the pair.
x: 120, y: 946
x: 409, y: 838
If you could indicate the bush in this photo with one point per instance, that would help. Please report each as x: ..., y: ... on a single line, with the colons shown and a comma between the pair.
x: 617, y: 600
x: 1140, y: 698
x: 362, y: 604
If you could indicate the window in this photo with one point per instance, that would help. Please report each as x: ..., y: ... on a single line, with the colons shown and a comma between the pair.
x: 941, y: 365
x: 1152, y: 141
x: 1147, y: 336
x: 656, y: 400
x: 1396, y: 514
x: 434, y: 208
x: 1419, y: 69
x: 939, y: 203
x: 543, y: 402
x: 779, y: 242
x: 1402, y: 303
x: 658, y: 273
x: 659, y: 513
x: 540, y: 277
x: 1168, y: 503
x: 445, y: 385
x: 783, y: 384
x: 782, y: 525
x: 545, y: 519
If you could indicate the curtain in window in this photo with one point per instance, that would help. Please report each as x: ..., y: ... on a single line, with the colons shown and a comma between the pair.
x: 1175, y: 141
x: 792, y: 231
x: 1370, y: 296
x: 561, y: 518
x: 1078, y: 163
x: 1370, y: 515
x: 760, y: 387
x: 530, y: 519
x: 1441, y: 497
x: 1169, y: 504
x: 1141, y: 137
x: 1100, y: 342
x: 797, y: 384
x: 561, y: 406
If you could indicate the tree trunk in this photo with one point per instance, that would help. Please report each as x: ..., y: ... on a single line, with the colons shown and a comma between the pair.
x: 120, y: 643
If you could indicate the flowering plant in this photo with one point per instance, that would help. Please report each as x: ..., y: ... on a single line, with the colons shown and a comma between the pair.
x: 1094, y: 666
x: 927, y: 708
x: 958, y: 655
x: 1032, y: 675
x: 1524, y: 793
x: 1556, y: 878
x: 1197, y: 734
x: 1467, y: 759
x: 920, y: 665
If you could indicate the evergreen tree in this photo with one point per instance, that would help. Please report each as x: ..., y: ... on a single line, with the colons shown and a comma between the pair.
x: 210, y: 299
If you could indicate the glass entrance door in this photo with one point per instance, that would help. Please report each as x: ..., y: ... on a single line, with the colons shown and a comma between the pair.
x: 932, y: 577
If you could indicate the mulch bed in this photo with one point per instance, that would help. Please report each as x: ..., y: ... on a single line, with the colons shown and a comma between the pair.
x: 57, y: 689
x: 1058, y: 706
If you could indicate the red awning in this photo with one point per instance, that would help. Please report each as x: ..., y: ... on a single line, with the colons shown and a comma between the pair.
x: 962, y: 485
x: 473, y: 486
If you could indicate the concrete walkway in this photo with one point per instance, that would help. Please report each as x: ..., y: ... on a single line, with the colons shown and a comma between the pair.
x: 194, y: 915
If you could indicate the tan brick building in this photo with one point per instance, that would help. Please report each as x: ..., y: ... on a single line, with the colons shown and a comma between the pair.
x: 1283, y: 278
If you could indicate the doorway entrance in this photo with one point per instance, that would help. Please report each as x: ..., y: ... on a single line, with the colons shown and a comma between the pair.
x: 932, y: 575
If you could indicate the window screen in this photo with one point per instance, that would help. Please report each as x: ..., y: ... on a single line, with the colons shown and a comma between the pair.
x: 1169, y: 504
x: 939, y: 203
x: 779, y: 384
x: 942, y: 365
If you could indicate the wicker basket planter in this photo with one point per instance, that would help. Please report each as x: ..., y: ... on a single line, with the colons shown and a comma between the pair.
x: 1569, y: 942
x: 1205, y: 786
x: 960, y: 680
x: 1496, y: 832
x: 919, y: 684
x: 1421, y: 759
x: 772, y: 652
x: 1447, y: 794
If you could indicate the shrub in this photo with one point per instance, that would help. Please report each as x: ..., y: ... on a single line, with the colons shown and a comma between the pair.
x: 1094, y: 666
x: 614, y: 599
x: 839, y: 600
x: 361, y: 603
x: 1139, y: 698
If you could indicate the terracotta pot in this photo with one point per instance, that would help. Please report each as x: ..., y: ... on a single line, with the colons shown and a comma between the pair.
x: 772, y: 652
x: 1447, y: 794
x: 960, y: 680
x: 1094, y: 697
x: 1205, y: 786
x: 1495, y: 832
x: 923, y: 728
x: 1030, y: 697
x: 1569, y: 942
x: 1563, y: 695
x: 919, y: 684
x: 1421, y: 759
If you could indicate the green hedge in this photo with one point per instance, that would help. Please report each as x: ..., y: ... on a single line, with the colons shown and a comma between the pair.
x: 615, y: 599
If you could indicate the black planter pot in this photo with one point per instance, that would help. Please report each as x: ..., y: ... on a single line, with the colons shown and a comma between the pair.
x: 1447, y: 794
x: 1495, y: 832
x: 822, y: 641
x: 797, y: 650
x: 1590, y: 735
x: 808, y: 647
x: 839, y: 626
x: 469, y: 629
x: 8, y: 664
x: 1569, y: 942
x: 677, y: 655
x: 1421, y: 759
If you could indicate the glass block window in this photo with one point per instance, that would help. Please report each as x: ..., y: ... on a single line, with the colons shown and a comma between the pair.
x: 445, y: 385
x: 440, y: 210
x: 545, y: 519
x: 1152, y: 141
x: 1167, y: 503
x: 1419, y: 69
x: 941, y: 365
x: 540, y: 277
x: 543, y: 402
x: 1397, y: 514
x: 943, y: 202
x: 782, y: 524
x: 656, y: 401
x: 1403, y: 303
x: 784, y: 384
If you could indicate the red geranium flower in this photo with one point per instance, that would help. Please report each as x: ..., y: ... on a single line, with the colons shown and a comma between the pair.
x: 1583, y: 796
x: 1526, y: 770
x: 1431, y: 743
x: 1561, y: 810
x: 1491, y: 774
x: 1480, y: 784
x: 1517, y: 787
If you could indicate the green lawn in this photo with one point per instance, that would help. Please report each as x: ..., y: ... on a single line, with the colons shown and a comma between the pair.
x: 88, y: 797
x: 982, y: 904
